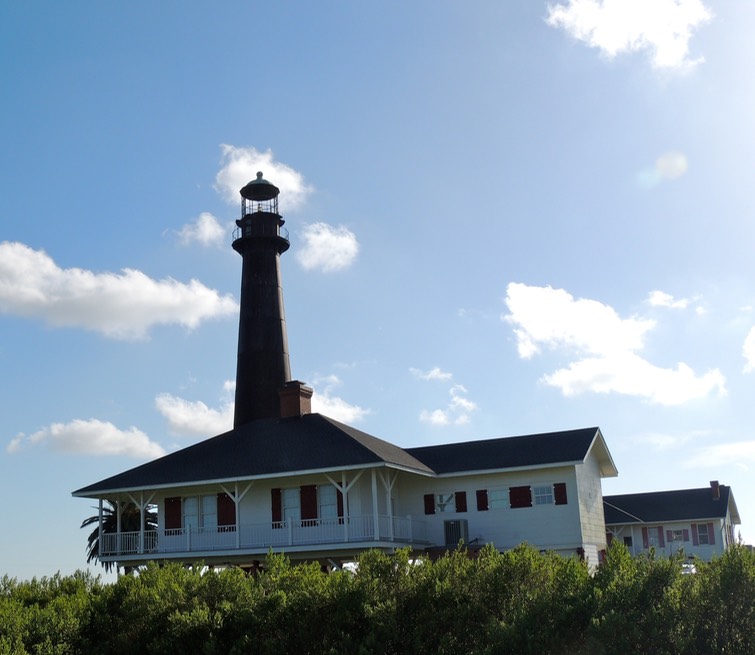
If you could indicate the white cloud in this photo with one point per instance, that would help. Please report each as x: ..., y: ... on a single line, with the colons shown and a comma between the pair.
x: 194, y: 418
x: 240, y: 166
x: 603, y: 345
x: 433, y: 374
x: 662, y: 299
x: 748, y: 350
x: 91, y: 437
x: 662, y: 27
x: 552, y: 318
x: 121, y: 305
x: 206, y: 230
x: 327, y: 248
x: 739, y: 454
x: 325, y: 402
x: 456, y: 412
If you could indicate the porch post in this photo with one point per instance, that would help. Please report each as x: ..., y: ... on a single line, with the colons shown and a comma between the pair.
x: 236, y: 501
x: 141, y: 522
x: 99, y: 534
x: 345, y: 496
x: 375, y: 517
x: 118, y: 524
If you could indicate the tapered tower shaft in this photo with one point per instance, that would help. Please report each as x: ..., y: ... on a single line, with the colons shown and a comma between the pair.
x: 262, y: 367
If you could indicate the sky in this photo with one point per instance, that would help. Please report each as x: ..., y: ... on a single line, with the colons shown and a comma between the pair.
x: 505, y: 218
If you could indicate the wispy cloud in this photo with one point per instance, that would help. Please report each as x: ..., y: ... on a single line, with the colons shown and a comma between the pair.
x: 205, y: 230
x: 123, y: 305
x: 433, y: 374
x: 194, y: 418
x: 748, y: 351
x: 662, y: 299
x: 90, y: 437
x: 739, y: 454
x: 327, y: 248
x: 458, y: 409
x: 661, y: 27
x: 456, y: 412
x: 240, y: 165
x: 324, y: 401
x: 604, y: 347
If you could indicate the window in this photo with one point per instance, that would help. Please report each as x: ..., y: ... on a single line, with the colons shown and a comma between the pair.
x: 703, y: 534
x: 445, y: 502
x: 677, y: 535
x: 544, y: 495
x: 307, y: 504
x: 291, y: 504
x: 520, y: 497
x: 498, y: 498
x: 628, y: 542
x: 653, y: 538
x: 327, y: 497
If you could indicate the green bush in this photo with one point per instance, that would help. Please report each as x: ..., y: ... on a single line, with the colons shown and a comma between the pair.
x: 492, y: 603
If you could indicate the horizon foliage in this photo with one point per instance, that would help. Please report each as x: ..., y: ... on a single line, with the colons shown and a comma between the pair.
x: 520, y: 601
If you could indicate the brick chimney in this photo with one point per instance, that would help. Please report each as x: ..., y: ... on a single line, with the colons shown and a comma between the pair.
x: 715, y: 490
x: 295, y: 399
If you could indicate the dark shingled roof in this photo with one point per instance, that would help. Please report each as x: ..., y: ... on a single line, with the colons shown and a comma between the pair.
x: 508, y: 452
x: 660, y: 506
x: 263, y: 447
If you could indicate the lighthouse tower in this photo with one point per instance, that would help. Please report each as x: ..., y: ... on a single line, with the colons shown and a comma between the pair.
x: 263, y: 374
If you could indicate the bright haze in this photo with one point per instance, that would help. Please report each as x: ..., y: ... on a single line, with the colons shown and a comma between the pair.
x: 505, y: 218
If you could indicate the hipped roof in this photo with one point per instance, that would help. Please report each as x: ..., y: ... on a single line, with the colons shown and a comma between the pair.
x: 313, y: 442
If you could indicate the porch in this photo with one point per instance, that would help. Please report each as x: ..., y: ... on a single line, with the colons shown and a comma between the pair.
x: 260, y: 537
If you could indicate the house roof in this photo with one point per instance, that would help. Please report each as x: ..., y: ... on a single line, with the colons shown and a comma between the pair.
x: 664, y: 506
x: 313, y: 442
x: 534, y: 450
x: 263, y: 448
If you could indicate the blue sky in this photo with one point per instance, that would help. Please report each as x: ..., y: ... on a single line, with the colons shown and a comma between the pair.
x: 505, y: 217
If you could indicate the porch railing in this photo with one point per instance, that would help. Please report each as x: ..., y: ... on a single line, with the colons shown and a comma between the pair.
x: 305, y: 532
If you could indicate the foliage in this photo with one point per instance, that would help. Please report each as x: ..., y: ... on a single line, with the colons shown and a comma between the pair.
x: 130, y: 515
x: 520, y: 601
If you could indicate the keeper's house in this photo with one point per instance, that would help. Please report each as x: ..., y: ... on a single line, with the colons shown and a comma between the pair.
x: 289, y: 480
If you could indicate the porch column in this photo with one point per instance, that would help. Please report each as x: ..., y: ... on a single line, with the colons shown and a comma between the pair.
x: 345, y: 496
x: 99, y: 533
x: 141, y: 522
x: 375, y: 517
x: 118, y: 525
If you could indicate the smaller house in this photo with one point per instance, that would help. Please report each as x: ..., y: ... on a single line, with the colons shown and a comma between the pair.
x: 699, y: 521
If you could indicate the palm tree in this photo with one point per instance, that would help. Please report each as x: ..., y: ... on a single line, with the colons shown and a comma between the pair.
x: 129, y: 523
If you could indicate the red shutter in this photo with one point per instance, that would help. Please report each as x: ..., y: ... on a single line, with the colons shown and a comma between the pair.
x: 609, y: 538
x: 695, y: 541
x: 520, y: 497
x: 172, y: 514
x: 339, y: 503
x: 482, y: 500
x: 226, y: 510
x: 645, y: 540
x: 559, y: 493
x: 308, y: 502
x: 661, y: 542
x: 711, y: 535
x: 686, y: 535
x: 277, y: 505
x: 460, y: 497
x: 429, y: 504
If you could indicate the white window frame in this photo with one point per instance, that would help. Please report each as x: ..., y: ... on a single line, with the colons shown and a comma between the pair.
x: 543, y: 494
x: 703, y: 534
x: 291, y: 504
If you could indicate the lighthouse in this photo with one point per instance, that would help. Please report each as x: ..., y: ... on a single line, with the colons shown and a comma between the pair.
x: 264, y: 388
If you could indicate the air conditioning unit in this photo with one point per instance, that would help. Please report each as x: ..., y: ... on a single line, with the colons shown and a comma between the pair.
x: 456, y: 531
